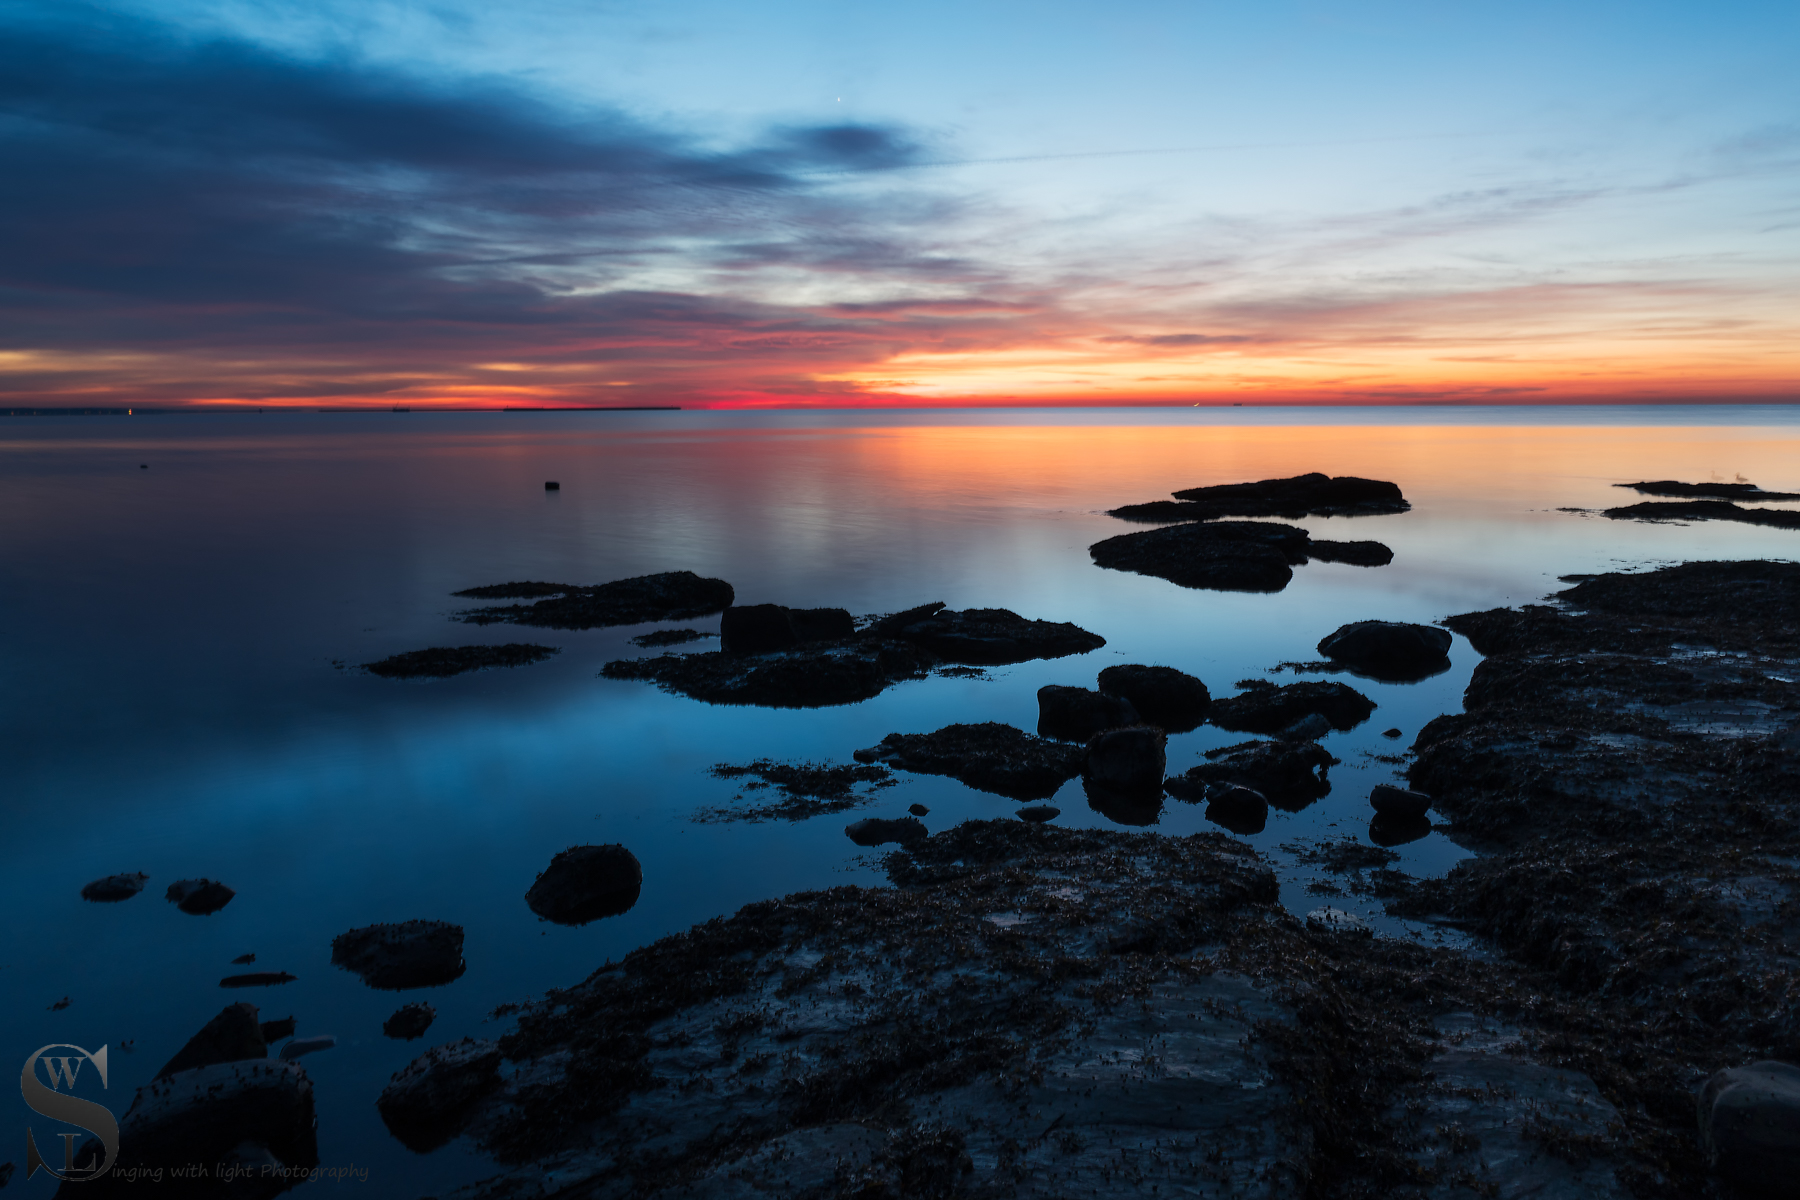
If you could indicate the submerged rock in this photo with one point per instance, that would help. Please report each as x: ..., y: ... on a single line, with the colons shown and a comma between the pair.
x: 815, y: 675
x: 1290, y: 774
x: 1075, y: 714
x: 1717, y: 491
x: 1264, y: 708
x: 257, y: 979
x: 984, y: 636
x: 1389, y: 830
x: 585, y: 883
x: 990, y: 756
x: 1128, y: 760
x: 430, y: 1100
x: 115, y: 888
x: 1750, y: 1126
x: 409, y: 1021
x: 407, y: 954
x: 879, y: 831
x: 1389, y: 650
x: 1705, y: 510
x: 440, y: 662
x: 1391, y: 801
x: 670, y: 637
x: 199, y: 897
x: 1163, y: 696
x: 670, y: 596
x: 1314, y: 494
x: 232, y: 1036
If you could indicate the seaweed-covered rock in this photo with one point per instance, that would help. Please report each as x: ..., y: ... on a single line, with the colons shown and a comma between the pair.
x: 430, y: 1100
x: 1750, y: 1126
x: 879, y: 831
x: 811, y: 675
x: 1389, y: 650
x: 1075, y: 714
x: 984, y: 636
x: 199, y: 897
x: 585, y: 883
x: 115, y: 888
x: 1163, y: 696
x: 407, y: 954
x: 670, y: 596
x: 232, y: 1036
x: 1313, y: 494
x: 990, y: 756
x: 1242, y: 810
x: 1391, y: 801
x: 1264, y: 708
x: 440, y: 662
x: 1290, y: 774
x: 1129, y: 760
x: 409, y: 1021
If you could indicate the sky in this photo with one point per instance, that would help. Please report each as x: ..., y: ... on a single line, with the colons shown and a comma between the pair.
x: 813, y: 203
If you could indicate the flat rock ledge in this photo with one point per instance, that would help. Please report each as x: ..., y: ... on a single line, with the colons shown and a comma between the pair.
x: 1029, y: 1012
x: 669, y: 596
x: 1229, y: 556
x: 1705, y: 510
x: 1312, y: 495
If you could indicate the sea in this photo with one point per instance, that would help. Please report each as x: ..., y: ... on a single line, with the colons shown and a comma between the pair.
x: 187, y: 599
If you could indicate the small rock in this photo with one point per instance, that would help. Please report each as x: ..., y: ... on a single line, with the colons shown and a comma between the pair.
x: 756, y: 629
x: 1075, y: 714
x: 232, y: 1036
x: 551, y: 485
x: 430, y: 1101
x: 243, y: 959
x: 1336, y: 920
x: 1128, y: 760
x: 984, y: 636
x: 585, y: 883
x: 878, y: 831
x: 1291, y: 774
x: 409, y: 954
x: 1390, y: 733
x: 993, y: 757
x: 1387, y: 830
x: 1357, y: 554
x: 1750, y: 1126
x: 274, y: 1031
x: 61, y: 1004
x: 409, y: 1022
x: 1391, y: 801
x: 1122, y: 806
x: 1309, y: 728
x: 257, y: 979
x: 300, y: 1047
x: 1390, y: 650
x: 1264, y: 708
x: 1240, y: 809
x: 1163, y: 696
x: 918, y: 810
x: 1037, y: 814
x: 115, y: 888
x: 199, y: 897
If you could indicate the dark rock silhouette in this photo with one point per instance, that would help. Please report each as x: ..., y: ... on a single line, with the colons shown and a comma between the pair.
x: 1390, y: 801
x: 1314, y: 494
x: 1242, y: 810
x: 1715, y: 491
x: 585, y: 883
x: 1750, y: 1126
x: 1038, y: 813
x: 984, y: 636
x: 257, y: 979
x: 409, y: 1022
x: 1264, y: 708
x: 1357, y: 554
x: 1162, y: 696
x: 440, y: 662
x: 879, y: 831
x: 1124, y: 806
x: 429, y: 1102
x: 1075, y: 714
x: 1231, y: 556
x: 198, y: 897
x: 1387, y: 830
x: 281, y: 1027
x: 1389, y: 650
x: 407, y: 954
x: 990, y: 756
x: 1705, y: 510
x: 1291, y: 775
x: 670, y: 596
x: 115, y: 888
x: 232, y: 1036
x: 670, y: 637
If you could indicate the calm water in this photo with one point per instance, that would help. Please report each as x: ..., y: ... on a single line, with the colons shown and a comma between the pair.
x: 171, y: 699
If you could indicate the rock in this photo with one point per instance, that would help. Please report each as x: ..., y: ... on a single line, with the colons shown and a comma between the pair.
x: 440, y: 662
x: 274, y: 1031
x: 1390, y: 801
x: 199, y: 897
x: 1717, y: 491
x: 1357, y: 554
x: 1037, y: 814
x: 670, y: 637
x: 239, y: 1116
x: 243, y: 960
x: 984, y: 636
x: 1291, y: 775
x: 115, y: 888
x: 1336, y: 920
x: 551, y: 485
x: 756, y: 629
x: 918, y: 810
x: 990, y: 756
x: 1397, y: 831
x: 1309, y: 728
x: 1075, y: 714
x: 430, y: 1100
x: 879, y: 831
x: 822, y: 624
x: 810, y: 675
x: 1750, y: 1127
x: 409, y: 1022
x: 1240, y: 809
x: 1390, y: 733
x: 1264, y: 708
x: 407, y: 954
x: 300, y: 1047
x: 585, y: 883
x: 232, y: 1036
x: 1162, y: 695
x: 670, y: 596
x: 1232, y: 556
x: 1705, y: 510
x: 1128, y: 760
x: 257, y: 979
x: 1312, y: 494
x: 1389, y: 650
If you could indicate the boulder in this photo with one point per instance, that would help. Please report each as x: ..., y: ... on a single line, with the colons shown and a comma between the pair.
x: 1390, y: 733
x: 1075, y: 714
x: 115, y: 888
x: 1264, y: 708
x: 1037, y: 814
x: 1750, y: 1127
x: 409, y: 1022
x: 1397, y: 831
x: 1229, y: 556
x: 585, y: 883
x: 756, y: 629
x: 407, y: 954
x: 1390, y: 801
x: 1129, y: 760
x: 1291, y: 775
x: 1163, y: 696
x: 232, y: 1036
x: 670, y: 596
x: 1240, y: 809
x: 918, y: 810
x: 879, y: 831
x: 990, y: 756
x: 1389, y: 650
x: 199, y: 897
x: 430, y: 1100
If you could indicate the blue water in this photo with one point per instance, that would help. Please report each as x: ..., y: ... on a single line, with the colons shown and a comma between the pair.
x: 183, y: 600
